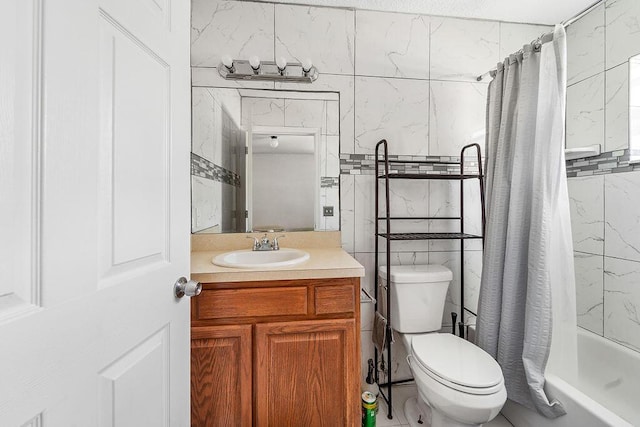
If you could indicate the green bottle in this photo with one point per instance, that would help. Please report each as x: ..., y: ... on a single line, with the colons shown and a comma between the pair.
x: 369, y: 409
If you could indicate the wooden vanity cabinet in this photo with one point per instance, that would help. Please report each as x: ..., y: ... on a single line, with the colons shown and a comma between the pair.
x: 277, y: 353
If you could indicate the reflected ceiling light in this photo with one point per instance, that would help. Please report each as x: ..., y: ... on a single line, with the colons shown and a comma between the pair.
x: 274, y: 142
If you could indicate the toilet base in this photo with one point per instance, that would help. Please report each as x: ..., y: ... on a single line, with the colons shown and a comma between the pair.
x: 417, y: 413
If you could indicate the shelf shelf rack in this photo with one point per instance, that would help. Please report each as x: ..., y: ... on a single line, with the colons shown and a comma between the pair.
x: 386, y: 176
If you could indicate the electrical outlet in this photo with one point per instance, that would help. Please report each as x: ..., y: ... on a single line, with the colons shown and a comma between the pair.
x: 327, y: 211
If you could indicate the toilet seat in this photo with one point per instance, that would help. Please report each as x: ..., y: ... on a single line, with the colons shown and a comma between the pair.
x: 456, y: 363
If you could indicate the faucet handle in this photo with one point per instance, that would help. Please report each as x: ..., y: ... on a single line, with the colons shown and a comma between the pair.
x: 276, y: 245
x: 256, y: 243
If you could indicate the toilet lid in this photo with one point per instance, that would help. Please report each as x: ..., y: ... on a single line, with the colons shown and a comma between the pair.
x: 427, y: 273
x: 453, y: 361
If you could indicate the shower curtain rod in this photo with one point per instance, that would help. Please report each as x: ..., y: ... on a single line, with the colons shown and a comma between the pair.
x: 547, y: 37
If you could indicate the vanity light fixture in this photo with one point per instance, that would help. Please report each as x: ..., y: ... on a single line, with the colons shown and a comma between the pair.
x: 280, y: 70
x: 254, y: 62
x: 227, y: 61
x: 274, y: 142
x: 281, y: 63
x: 307, y: 65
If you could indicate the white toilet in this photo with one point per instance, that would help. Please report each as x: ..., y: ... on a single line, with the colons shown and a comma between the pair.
x: 458, y: 383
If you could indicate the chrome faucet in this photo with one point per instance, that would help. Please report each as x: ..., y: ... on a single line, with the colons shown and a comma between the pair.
x: 264, y: 244
x: 276, y: 245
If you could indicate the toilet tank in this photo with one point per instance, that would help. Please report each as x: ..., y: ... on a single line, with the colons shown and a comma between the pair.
x: 418, y: 294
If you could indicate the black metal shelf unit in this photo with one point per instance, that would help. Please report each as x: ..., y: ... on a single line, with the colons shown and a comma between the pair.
x: 385, y: 176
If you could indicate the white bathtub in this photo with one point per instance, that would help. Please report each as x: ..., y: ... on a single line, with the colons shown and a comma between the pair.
x: 607, y: 392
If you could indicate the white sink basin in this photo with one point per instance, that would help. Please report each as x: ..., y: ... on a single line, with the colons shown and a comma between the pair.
x: 261, y: 259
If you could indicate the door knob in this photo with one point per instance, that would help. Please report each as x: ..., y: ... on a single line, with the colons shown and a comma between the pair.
x: 190, y: 288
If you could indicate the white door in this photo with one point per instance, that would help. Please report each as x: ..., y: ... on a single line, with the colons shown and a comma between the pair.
x: 94, y: 212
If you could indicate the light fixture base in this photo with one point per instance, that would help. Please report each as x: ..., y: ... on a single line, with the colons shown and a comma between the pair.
x: 268, y: 71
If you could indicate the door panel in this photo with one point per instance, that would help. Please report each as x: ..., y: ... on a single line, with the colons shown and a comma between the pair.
x: 221, y: 386
x: 134, y: 173
x: 134, y: 390
x: 94, y: 118
x: 20, y: 126
x: 298, y: 361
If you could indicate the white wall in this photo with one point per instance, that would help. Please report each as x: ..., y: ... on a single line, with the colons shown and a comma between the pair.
x: 281, y: 190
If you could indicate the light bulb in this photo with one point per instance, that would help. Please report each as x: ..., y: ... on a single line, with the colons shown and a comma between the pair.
x: 274, y: 142
x: 227, y: 61
x: 281, y: 62
x: 254, y: 61
x: 306, y: 65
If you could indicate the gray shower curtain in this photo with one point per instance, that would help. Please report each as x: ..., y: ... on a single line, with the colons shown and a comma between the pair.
x: 528, y: 257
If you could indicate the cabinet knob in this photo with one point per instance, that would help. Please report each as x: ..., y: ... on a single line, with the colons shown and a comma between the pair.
x: 190, y: 288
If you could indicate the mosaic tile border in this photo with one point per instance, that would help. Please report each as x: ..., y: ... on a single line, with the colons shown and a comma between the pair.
x: 616, y: 161
x: 206, y: 169
x: 608, y: 162
x: 329, y: 182
x: 364, y: 164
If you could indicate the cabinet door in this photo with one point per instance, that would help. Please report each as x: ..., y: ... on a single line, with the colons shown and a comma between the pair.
x: 221, y: 375
x: 307, y: 373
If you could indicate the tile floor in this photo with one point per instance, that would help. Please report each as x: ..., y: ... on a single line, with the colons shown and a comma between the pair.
x: 401, y: 393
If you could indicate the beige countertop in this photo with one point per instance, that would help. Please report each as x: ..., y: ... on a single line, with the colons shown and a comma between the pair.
x: 323, y: 263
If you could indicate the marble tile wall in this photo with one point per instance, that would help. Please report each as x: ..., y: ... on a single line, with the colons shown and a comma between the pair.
x: 605, y: 207
x: 585, y: 46
x: 410, y: 79
x: 221, y: 28
x: 599, y: 46
x: 392, y: 109
x: 378, y: 52
x: 585, y: 112
x: 214, y: 178
x: 622, y: 301
x: 325, y: 35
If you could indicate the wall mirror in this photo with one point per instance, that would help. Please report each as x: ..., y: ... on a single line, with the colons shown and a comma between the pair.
x: 264, y: 160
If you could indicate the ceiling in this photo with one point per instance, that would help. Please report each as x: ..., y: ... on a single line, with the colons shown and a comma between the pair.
x: 526, y: 11
x: 287, y: 144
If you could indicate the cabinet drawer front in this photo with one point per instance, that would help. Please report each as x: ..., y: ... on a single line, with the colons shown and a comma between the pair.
x: 335, y: 299
x: 252, y: 302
